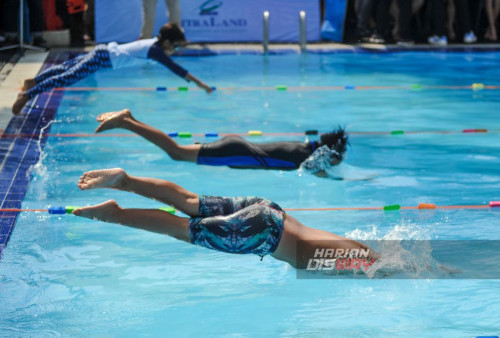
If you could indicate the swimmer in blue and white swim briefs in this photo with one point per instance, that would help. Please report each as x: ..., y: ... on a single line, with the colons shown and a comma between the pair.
x: 238, y: 225
x: 237, y: 152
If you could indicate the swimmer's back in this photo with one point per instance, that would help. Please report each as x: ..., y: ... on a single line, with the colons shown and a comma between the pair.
x: 235, y: 152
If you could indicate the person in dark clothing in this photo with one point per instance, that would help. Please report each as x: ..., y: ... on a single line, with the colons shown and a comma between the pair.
x: 379, y: 10
x: 463, y: 16
x: 437, y: 23
x: 235, y: 152
x: 405, y: 14
x: 72, y: 12
x: 90, y: 20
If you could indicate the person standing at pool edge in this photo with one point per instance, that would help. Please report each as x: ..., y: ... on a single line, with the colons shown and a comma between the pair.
x: 113, y: 56
x: 238, y: 225
x: 236, y: 152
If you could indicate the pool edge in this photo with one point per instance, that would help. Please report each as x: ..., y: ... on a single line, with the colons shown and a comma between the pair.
x: 19, y: 154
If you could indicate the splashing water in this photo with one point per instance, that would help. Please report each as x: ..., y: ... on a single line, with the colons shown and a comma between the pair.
x: 342, y: 171
x: 405, y: 251
x: 39, y: 169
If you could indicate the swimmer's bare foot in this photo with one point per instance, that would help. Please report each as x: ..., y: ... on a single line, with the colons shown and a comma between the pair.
x: 105, y: 178
x: 106, y: 212
x: 22, y: 99
x: 28, y: 84
x: 116, y: 119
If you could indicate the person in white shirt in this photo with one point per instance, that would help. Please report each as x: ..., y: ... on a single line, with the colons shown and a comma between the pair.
x: 109, y: 56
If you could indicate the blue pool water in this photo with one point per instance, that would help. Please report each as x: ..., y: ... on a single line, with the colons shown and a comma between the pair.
x: 63, y: 275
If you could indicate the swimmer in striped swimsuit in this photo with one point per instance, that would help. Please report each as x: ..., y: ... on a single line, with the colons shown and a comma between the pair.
x: 109, y: 56
x: 238, y: 225
x: 236, y: 152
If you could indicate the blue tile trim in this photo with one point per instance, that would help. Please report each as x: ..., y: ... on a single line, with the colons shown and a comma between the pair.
x: 17, y: 155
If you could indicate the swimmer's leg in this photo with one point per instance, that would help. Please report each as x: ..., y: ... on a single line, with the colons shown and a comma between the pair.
x: 74, y: 70
x: 153, y: 220
x: 124, y: 119
x: 161, y: 190
x: 50, y: 72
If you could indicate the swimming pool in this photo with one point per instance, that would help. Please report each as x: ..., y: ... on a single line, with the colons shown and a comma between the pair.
x: 62, y: 275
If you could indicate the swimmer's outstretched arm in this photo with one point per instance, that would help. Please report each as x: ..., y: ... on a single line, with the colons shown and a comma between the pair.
x: 299, y: 243
x: 153, y: 220
x: 124, y: 119
x: 190, y: 77
x: 164, y: 191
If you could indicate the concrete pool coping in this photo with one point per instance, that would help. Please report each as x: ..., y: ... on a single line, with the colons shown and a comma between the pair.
x: 323, y: 47
x: 28, y: 66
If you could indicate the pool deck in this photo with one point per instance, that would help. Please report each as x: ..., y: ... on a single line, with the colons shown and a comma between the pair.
x: 27, y: 66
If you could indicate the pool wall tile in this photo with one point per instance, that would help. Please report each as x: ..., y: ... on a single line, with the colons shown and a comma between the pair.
x: 18, y: 154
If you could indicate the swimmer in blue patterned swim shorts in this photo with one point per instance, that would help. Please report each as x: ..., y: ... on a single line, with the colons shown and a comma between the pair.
x: 237, y: 225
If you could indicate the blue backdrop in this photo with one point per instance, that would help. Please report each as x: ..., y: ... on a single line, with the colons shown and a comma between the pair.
x: 211, y: 20
x: 333, y: 26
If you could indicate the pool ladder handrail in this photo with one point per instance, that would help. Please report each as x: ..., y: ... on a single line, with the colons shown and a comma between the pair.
x: 265, y: 31
x: 302, y: 31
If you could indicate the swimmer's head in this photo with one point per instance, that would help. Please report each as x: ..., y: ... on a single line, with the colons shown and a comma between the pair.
x: 321, y: 161
x: 330, y: 153
x: 171, y: 37
x: 337, y: 141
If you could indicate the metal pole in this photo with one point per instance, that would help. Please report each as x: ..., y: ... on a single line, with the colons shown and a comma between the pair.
x: 21, y: 45
x: 265, y: 35
x: 303, y: 31
x: 21, y: 23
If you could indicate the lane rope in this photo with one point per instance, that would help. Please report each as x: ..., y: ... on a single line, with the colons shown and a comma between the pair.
x: 392, y: 207
x: 256, y: 133
x: 283, y: 88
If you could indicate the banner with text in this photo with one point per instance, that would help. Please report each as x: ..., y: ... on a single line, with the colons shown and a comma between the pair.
x: 211, y: 20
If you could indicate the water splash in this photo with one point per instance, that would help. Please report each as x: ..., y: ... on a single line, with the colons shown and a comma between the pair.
x: 405, y: 251
x: 343, y: 172
x: 39, y: 171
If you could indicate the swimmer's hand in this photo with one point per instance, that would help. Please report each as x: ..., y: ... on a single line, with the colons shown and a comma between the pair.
x: 189, y: 77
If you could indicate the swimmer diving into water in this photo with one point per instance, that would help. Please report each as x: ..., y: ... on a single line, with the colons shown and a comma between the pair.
x: 240, y: 225
x: 235, y: 152
x: 113, y: 56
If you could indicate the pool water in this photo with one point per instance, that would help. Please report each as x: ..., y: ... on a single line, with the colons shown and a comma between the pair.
x: 63, y: 275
